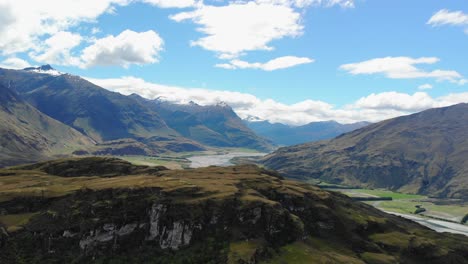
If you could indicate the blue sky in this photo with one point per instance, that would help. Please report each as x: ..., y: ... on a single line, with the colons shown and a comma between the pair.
x: 331, y: 59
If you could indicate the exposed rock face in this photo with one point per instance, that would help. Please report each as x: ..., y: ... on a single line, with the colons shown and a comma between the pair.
x: 163, y: 225
x: 173, y: 237
x: 108, y: 233
x: 240, y: 214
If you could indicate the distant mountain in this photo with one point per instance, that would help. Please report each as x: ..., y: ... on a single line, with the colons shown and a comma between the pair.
x: 424, y: 153
x: 214, y: 125
x: 28, y: 135
x: 287, y: 135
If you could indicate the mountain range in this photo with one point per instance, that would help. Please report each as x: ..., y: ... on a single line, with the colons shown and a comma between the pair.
x: 424, y: 153
x: 213, y: 125
x: 112, y: 123
x: 286, y: 135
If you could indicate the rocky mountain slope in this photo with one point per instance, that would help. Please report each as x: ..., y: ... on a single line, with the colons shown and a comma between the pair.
x: 28, y: 135
x: 94, y: 111
x: 422, y: 153
x: 124, y: 125
x: 286, y: 135
x: 109, y: 211
x: 214, y: 125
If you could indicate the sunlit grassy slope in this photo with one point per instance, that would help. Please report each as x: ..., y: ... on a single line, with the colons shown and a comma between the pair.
x: 234, y: 214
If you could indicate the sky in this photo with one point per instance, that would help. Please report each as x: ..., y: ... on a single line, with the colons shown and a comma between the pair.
x: 289, y: 61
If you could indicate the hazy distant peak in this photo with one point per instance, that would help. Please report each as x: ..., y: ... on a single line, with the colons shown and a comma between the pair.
x: 252, y: 118
x: 44, y: 69
x: 223, y: 104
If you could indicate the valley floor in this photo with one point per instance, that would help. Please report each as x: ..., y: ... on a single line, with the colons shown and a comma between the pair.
x: 183, y: 160
x: 439, y: 215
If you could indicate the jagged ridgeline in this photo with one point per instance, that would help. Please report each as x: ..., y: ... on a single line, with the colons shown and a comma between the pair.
x: 67, y: 114
x: 110, y: 211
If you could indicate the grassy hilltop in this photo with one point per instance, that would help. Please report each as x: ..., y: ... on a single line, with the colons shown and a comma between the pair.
x: 109, y: 210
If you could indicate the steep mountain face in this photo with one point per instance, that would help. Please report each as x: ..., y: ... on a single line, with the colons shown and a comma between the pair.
x: 119, y: 124
x: 241, y: 214
x: 286, y: 135
x: 422, y: 153
x: 215, y: 125
x: 28, y: 135
x: 94, y: 111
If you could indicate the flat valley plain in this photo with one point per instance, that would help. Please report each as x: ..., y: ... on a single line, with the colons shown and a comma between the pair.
x: 448, y: 211
x: 183, y: 160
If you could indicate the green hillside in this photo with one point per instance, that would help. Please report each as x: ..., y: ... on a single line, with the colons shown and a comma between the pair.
x: 424, y: 153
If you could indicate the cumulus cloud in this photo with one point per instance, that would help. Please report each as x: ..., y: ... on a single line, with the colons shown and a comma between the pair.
x: 22, y: 22
x: 375, y: 107
x: 43, y: 29
x: 403, y: 68
x: 425, y: 86
x: 57, y: 48
x: 240, y: 27
x: 14, y: 63
x: 129, y: 47
x: 396, y: 101
x: 272, y: 65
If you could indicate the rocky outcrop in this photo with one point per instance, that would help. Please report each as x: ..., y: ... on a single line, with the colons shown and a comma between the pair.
x: 107, y: 233
x: 173, y: 236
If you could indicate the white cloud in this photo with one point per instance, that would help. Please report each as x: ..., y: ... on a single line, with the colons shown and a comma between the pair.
x: 241, y: 27
x: 129, y: 47
x: 57, y: 48
x: 272, y: 65
x: 171, y: 3
x: 396, y: 101
x: 14, y: 63
x: 402, y: 68
x: 452, y: 18
x: 374, y: 107
x: 445, y: 17
x: 425, y: 86
x: 23, y: 22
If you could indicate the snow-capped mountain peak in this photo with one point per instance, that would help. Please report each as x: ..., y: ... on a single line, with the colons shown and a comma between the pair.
x: 44, y: 69
x: 252, y: 118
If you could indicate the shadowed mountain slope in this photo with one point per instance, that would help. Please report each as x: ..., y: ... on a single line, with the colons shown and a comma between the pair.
x: 96, y: 112
x: 28, y: 135
x: 214, y: 125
